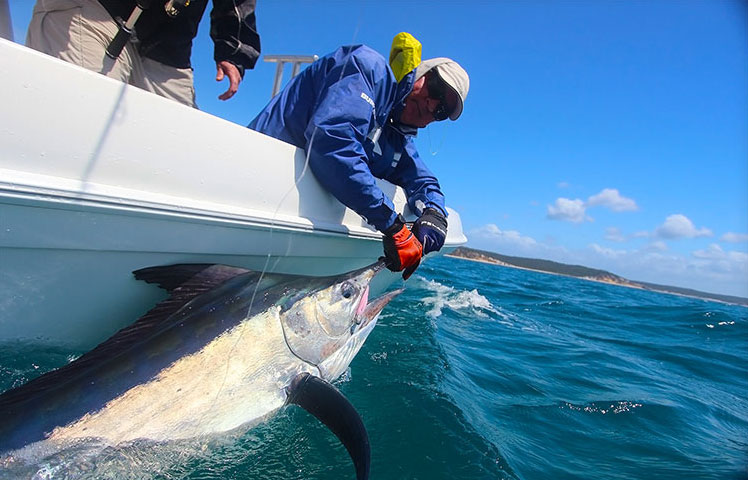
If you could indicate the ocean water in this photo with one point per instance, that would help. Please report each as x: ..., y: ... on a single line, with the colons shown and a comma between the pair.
x: 485, y: 372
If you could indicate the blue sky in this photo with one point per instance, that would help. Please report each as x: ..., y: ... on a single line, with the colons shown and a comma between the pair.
x: 603, y: 133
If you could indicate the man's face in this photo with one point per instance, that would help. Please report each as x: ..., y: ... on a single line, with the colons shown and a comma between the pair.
x: 420, y: 107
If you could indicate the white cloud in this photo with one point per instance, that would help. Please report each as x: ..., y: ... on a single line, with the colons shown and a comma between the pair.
x: 732, y: 237
x: 607, y: 252
x: 568, y: 210
x: 657, y: 246
x: 610, y: 198
x: 493, y: 233
x: 712, y: 269
x: 563, y: 185
x: 721, y: 263
x: 715, y: 252
x: 576, y: 210
x: 680, y: 226
x: 614, y: 234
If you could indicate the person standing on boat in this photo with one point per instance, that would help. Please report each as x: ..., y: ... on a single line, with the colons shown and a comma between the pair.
x: 357, y: 116
x: 157, y: 57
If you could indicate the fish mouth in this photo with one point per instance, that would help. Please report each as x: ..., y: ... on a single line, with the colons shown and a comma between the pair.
x: 366, y: 311
x: 362, y: 303
x: 365, y: 275
x: 373, y: 308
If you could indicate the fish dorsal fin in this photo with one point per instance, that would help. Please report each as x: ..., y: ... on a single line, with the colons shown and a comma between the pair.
x: 325, y: 402
x: 204, y: 278
x: 170, y: 277
x: 184, y: 282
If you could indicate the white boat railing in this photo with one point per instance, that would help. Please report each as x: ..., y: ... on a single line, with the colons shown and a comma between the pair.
x: 282, y: 60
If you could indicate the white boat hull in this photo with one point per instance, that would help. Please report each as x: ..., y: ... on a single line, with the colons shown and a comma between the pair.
x: 98, y: 179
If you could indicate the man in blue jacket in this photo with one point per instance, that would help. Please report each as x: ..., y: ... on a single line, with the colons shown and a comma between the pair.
x: 357, y: 122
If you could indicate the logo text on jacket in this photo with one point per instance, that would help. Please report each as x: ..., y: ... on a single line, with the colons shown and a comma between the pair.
x: 368, y: 100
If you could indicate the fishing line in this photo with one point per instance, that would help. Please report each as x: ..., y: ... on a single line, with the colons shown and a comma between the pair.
x: 243, y: 326
x: 441, y: 142
x: 266, y: 267
x: 285, y: 196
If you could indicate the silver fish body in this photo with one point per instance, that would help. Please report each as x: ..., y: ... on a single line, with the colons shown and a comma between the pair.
x: 227, y: 349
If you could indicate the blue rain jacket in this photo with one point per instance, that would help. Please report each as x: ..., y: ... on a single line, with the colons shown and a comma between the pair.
x: 342, y: 111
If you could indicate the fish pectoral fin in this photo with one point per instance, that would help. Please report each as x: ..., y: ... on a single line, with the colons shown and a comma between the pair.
x: 325, y: 402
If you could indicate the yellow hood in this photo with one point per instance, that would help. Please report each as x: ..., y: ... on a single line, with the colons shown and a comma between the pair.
x: 405, y: 54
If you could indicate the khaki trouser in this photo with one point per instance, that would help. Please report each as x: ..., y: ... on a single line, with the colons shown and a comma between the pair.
x: 78, y: 31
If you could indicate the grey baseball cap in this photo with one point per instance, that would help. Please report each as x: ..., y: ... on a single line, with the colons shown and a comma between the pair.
x: 452, y: 74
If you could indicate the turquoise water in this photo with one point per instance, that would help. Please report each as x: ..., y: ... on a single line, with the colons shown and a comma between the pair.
x: 485, y: 372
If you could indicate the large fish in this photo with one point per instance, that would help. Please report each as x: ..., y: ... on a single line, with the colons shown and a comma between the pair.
x: 226, y: 349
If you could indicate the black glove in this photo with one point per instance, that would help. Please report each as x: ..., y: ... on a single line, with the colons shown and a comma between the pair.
x: 402, y: 250
x: 431, y: 230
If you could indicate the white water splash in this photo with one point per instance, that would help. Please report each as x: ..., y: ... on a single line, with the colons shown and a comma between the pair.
x: 604, y: 408
x: 453, y: 299
x: 711, y: 325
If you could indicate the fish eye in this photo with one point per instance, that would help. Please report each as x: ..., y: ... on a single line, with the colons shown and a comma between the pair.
x: 347, y: 290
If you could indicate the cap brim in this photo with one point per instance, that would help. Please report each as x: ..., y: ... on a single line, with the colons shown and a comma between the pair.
x: 458, y: 108
x: 451, y: 81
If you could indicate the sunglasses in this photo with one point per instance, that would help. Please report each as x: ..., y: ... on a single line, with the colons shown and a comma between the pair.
x: 438, y: 91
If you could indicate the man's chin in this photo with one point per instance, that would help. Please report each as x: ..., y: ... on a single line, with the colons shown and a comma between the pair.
x: 412, y: 117
x: 413, y: 123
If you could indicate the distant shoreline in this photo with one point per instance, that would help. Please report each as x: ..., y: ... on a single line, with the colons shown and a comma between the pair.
x: 509, y: 265
x: 585, y: 273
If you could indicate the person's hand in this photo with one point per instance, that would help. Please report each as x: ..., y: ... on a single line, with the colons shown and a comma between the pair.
x: 431, y: 230
x: 402, y: 250
x: 224, y: 68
